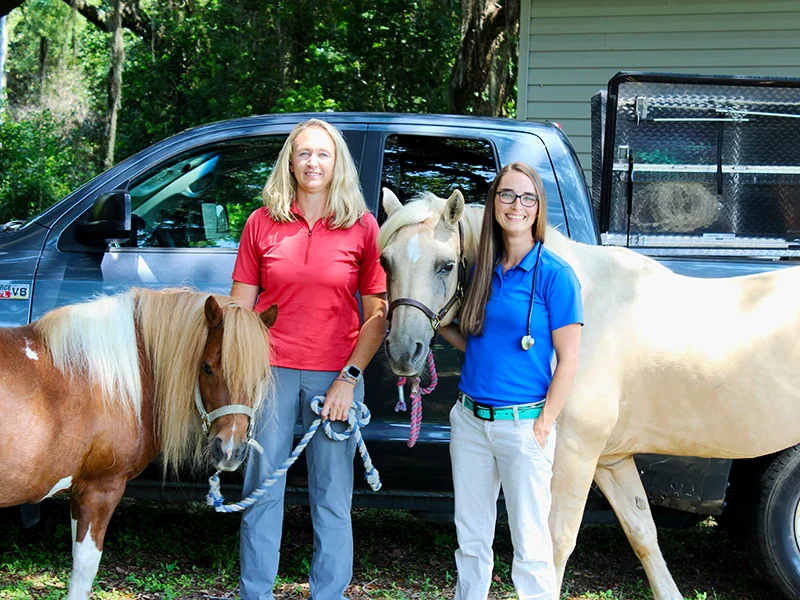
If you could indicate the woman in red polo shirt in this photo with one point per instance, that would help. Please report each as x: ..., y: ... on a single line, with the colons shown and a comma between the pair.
x: 310, y: 249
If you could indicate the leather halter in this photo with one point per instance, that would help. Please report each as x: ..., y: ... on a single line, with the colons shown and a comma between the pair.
x: 457, y: 297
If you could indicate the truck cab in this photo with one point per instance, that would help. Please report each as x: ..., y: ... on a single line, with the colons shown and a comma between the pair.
x: 680, y: 175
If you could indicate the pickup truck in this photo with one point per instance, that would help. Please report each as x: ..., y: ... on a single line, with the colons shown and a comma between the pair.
x: 175, y: 212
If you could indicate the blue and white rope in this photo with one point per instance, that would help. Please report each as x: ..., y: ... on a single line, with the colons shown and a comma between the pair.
x: 358, y: 417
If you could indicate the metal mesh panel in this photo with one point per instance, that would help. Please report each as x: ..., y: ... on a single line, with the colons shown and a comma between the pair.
x: 713, y: 165
x: 598, y: 109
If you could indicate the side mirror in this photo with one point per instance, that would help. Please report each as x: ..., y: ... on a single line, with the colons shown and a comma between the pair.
x: 109, y: 220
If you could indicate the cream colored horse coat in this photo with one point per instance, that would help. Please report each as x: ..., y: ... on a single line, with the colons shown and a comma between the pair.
x: 668, y: 364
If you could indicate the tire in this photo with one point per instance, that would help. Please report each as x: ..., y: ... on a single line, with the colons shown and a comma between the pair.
x: 775, y: 528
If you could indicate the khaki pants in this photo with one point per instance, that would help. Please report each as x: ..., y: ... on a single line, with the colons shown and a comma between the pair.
x: 486, y: 455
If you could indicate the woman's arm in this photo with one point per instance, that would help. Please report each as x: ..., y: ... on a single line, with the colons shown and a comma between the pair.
x: 245, y: 294
x: 340, y: 395
x: 453, y: 335
x: 566, y: 343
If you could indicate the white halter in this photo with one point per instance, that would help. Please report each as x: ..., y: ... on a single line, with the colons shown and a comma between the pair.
x: 207, y: 418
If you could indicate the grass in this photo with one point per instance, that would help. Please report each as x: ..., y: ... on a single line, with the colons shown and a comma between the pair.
x: 186, y: 551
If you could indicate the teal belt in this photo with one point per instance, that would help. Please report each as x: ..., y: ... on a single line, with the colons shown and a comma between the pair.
x: 505, y: 413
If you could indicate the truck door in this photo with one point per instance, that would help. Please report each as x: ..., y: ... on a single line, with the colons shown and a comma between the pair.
x: 410, y: 159
x: 188, y: 210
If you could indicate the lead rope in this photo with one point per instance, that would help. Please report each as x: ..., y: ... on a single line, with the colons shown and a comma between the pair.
x: 357, y: 418
x: 416, y: 399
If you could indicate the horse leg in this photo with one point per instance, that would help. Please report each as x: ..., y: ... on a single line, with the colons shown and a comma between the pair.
x: 91, y: 510
x: 622, y: 486
x: 573, y: 470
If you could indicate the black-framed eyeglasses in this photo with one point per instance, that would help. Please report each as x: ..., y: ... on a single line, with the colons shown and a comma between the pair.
x: 509, y: 197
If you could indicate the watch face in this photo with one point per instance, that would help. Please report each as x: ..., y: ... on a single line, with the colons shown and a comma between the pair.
x: 353, y: 371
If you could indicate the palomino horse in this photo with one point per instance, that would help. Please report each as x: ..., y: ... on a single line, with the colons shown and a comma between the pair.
x: 91, y: 393
x: 668, y: 364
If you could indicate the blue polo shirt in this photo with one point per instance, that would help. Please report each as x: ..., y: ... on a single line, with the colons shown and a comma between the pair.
x: 497, y: 371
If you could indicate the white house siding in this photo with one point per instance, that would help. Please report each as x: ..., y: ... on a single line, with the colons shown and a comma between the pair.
x: 569, y: 49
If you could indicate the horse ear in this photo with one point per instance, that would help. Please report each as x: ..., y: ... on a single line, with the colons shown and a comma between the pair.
x: 269, y: 316
x: 390, y: 201
x: 454, y: 208
x: 213, y: 313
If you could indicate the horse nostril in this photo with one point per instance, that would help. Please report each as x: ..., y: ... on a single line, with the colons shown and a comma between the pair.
x: 240, y: 451
x: 419, y: 350
x: 216, y: 448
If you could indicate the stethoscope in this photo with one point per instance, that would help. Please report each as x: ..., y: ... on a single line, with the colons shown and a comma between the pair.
x: 527, y: 341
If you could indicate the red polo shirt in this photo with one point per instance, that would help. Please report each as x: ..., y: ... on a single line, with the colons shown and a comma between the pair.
x: 313, y: 275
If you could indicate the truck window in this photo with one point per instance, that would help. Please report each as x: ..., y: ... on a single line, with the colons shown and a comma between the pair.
x: 413, y: 164
x: 202, y: 199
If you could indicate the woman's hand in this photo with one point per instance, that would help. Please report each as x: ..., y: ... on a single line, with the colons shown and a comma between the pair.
x: 541, y: 429
x: 338, y: 400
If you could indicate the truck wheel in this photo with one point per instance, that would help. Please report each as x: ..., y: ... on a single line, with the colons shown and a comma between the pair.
x: 776, y: 527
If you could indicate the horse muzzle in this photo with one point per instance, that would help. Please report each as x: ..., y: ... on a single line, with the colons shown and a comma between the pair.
x: 406, y: 348
x: 226, y: 454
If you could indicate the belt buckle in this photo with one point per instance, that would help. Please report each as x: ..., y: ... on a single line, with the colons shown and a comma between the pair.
x: 475, y: 408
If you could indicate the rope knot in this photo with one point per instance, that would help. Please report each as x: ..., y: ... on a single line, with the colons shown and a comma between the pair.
x: 358, y: 417
x: 416, y: 394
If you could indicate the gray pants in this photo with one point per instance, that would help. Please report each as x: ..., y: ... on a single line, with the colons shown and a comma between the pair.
x: 330, y: 487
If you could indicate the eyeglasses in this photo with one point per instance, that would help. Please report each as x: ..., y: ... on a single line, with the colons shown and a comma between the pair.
x: 509, y: 197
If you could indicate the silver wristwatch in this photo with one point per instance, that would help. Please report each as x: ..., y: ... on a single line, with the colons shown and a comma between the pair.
x: 352, y: 373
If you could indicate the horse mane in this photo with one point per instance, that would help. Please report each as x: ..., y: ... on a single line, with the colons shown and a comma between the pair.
x: 426, y: 205
x: 174, y: 331
x: 97, y: 338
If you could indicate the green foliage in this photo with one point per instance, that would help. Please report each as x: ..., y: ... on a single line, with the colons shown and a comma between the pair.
x: 40, y: 163
x: 207, y: 60
x: 304, y: 99
x: 225, y: 60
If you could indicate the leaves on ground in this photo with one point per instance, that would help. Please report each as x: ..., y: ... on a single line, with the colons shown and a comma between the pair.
x: 169, y: 551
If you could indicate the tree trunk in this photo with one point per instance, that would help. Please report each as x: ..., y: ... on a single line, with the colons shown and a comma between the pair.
x: 484, y: 75
x: 44, y: 52
x: 114, y: 82
x: 3, y: 53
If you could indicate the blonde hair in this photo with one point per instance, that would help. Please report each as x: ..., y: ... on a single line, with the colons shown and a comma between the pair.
x: 490, y: 245
x: 346, y: 203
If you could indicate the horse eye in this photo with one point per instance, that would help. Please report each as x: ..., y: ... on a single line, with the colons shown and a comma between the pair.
x: 446, y: 268
x: 207, y: 369
x: 385, y: 264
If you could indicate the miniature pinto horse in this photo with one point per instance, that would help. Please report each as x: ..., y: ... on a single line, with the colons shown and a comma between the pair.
x: 91, y: 393
x: 668, y: 364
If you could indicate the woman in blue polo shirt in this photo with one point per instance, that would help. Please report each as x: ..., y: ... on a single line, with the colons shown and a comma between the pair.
x: 503, y: 425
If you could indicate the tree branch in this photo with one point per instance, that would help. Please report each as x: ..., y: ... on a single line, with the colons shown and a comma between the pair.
x: 132, y: 18
x: 94, y: 15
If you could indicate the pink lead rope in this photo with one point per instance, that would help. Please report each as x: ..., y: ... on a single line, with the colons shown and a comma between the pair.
x: 416, y: 399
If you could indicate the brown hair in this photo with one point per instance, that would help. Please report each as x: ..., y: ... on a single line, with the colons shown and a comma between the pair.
x: 491, y: 245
